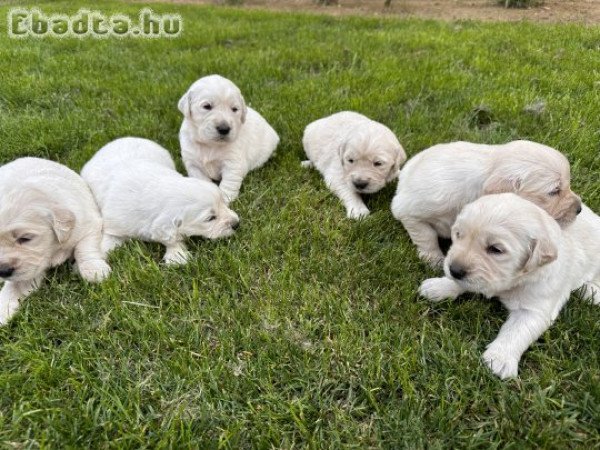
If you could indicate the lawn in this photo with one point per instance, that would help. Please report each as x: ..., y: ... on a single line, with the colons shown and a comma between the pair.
x: 305, y: 329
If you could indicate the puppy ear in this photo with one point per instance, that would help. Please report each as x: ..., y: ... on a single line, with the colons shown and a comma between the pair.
x: 63, y: 222
x: 541, y: 252
x: 342, y: 151
x: 184, y: 104
x: 498, y: 184
x: 395, y: 169
x: 244, y: 108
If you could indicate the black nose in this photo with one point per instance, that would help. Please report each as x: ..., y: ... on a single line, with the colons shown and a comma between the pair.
x: 236, y: 225
x: 360, y: 184
x: 457, y: 271
x: 579, y: 209
x: 223, y: 129
x: 6, y: 271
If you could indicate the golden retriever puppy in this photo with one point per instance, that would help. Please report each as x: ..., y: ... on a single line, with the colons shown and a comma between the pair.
x: 221, y: 138
x: 355, y: 155
x: 47, y: 215
x: 435, y: 184
x: 141, y: 195
x: 507, y: 247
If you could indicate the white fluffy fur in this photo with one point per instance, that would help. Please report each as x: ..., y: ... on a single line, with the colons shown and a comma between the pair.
x: 507, y: 247
x: 435, y: 185
x: 211, y: 102
x: 47, y: 215
x: 351, y: 150
x: 141, y: 195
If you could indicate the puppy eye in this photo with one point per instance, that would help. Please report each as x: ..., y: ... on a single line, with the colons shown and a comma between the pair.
x: 235, y: 109
x: 24, y: 239
x: 207, y: 107
x: 494, y: 250
x: 555, y: 192
x: 350, y: 160
x: 378, y: 164
x: 211, y: 218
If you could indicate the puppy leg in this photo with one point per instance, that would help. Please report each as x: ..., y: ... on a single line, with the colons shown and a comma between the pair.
x: 176, y: 254
x: 426, y: 240
x: 437, y: 289
x: 522, y: 328
x: 10, y: 295
x: 355, y: 207
x: 110, y: 242
x: 90, y: 260
x: 231, y: 182
x: 195, y: 172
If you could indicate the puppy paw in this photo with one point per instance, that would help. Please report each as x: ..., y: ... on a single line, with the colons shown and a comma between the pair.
x: 438, y: 289
x: 434, y: 259
x: 230, y: 195
x: 591, y: 291
x: 176, y: 257
x: 7, y: 311
x: 307, y: 164
x: 502, y: 364
x: 93, y: 270
x: 358, y: 212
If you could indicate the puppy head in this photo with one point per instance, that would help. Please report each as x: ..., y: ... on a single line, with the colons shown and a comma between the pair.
x: 498, y: 241
x: 32, y: 231
x: 215, y: 108
x: 540, y: 174
x: 207, y: 213
x: 371, y: 157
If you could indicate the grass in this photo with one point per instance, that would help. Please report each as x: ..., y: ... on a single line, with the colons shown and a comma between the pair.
x: 304, y: 330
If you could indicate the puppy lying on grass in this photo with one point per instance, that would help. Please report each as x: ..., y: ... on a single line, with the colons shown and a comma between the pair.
x: 141, y: 195
x: 435, y: 185
x: 221, y: 138
x: 47, y: 215
x: 507, y: 247
x: 355, y: 155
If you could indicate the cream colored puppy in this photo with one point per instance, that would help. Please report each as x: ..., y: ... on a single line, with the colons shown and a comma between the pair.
x: 435, y: 185
x: 221, y: 138
x: 507, y: 247
x: 141, y: 195
x: 47, y: 215
x: 355, y: 155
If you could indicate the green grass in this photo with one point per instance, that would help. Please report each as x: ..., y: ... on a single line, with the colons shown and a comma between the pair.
x: 304, y: 330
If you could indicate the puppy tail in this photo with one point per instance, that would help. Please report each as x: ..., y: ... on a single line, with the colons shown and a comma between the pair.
x: 307, y: 164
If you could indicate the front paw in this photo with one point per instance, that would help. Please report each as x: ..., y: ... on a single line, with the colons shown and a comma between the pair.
x: 230, y: 195
x: 93, y: 270
x: 176, y: 258
x: 7, y: 310
x: 358, y: 212
x: 434, y: 259
x: 438, y: 289
x: 501, y: 363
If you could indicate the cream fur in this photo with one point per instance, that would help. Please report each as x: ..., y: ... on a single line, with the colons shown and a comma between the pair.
x: 211, y: 102
x: 351, y: 150
x: 47, y: 215
x: 141, y: 195
x: 507, y: 247
x: 435, y: 185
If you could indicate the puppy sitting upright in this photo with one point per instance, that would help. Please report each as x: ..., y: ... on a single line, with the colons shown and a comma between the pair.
x: 507, y: 247
x: 221, y: 138
x: 355, y: 155
x: 141, y: 195
x: 47, y: 215
x: 435, y: 185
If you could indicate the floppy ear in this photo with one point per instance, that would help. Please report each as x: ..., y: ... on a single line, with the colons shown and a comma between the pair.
x: 63, y: 222
x: 184, y: 104
x: 498, y: 184
x: 244, y: 108
x: 541, y: 252
x: 342, y: 151
x: 395, y: 169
